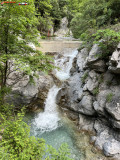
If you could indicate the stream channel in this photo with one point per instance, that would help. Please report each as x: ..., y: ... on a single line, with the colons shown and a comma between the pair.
x: 54, y: 126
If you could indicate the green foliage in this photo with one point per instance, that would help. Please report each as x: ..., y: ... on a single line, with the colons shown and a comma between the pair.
x: 17, y: 144
x: 43, y: 9
x: 84, y: 77
x: 43, y: 37
x: 63, y: 153
x: 109, y: 42
x: 96, y: 91
x: 93, y: 14
x: 18, y: 31
x: 16, y: 141
x: 109, y: 97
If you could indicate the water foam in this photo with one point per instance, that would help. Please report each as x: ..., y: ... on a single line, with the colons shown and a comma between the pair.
x: 48, y: 120
x: 65, y: 64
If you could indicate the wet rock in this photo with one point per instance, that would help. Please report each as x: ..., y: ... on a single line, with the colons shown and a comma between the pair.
x: 115, y: 124
x: 73, y: 69
x: 86, y: 123
x: 71, y: 93
x: 74, y: 116
x: 111, y: 148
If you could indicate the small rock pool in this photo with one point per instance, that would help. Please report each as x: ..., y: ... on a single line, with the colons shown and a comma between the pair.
x: 66, y: 132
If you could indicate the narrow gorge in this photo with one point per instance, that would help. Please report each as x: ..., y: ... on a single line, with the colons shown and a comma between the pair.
x: 79, y: 104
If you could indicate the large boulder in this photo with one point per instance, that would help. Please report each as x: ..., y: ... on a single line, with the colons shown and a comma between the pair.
x: 111, y: 148
x: 86, y: 105
x: 99, y: 105
x: 23, y: 92
x: 94, y: 54
x: 92, y: 82
x: 71, y: 93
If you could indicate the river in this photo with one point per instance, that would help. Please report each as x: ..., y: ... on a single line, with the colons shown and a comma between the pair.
x: 54, y: 126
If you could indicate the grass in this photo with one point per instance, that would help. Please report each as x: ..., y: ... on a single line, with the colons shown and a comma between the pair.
x: 96, y: 91
x: 109, y: 97
x: 84, y: 77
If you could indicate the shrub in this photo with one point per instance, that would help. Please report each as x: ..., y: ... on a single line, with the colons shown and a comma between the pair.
x: 17, y: 144
x: 96, y: 91
x: 108, y: 40
x: 109, y: 97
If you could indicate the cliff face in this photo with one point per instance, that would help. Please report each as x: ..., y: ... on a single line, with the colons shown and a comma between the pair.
x: 92, y: 96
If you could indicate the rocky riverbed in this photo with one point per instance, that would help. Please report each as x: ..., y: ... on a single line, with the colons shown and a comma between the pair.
x: 90, y: 95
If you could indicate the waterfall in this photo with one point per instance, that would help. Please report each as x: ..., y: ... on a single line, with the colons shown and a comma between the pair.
x: 65, y: 64
x: 49, y: 119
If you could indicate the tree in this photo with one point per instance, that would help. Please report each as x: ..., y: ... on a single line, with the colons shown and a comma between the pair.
x: 55, y: 13
x: 93, y: 14
x: 17, y: 144
x: 18, y: 30
x: 43, y: 9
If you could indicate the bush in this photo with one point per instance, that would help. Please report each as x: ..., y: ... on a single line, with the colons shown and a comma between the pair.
x: 108, y: 40
x: 17, y: 144
x: 96, y: 91
x: 109, y: 97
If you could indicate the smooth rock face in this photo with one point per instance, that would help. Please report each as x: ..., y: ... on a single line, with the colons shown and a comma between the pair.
x: 23, y: 93
x: 91, y: 84
x: 111, y: 148
x: 113, y: 109
x: 86, y: 105
x: 101, y: 139
x: 81, y: 58
x: 70, y: 95
x: 101, y: 101
x: 94, y: 54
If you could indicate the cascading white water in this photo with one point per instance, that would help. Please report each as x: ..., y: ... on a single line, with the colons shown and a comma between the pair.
x: 65, y: 64
x: 49, y: 119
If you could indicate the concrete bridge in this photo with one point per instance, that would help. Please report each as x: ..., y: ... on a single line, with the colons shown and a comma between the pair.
x: 57, y: 45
